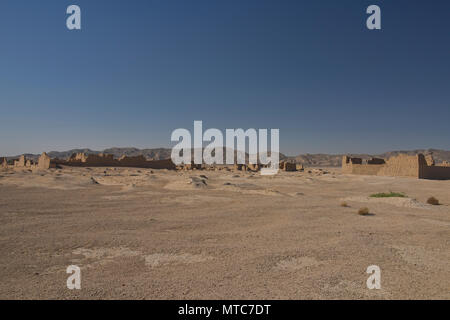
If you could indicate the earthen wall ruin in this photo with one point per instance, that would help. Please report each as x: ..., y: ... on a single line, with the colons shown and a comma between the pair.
x: 416, y: 166
x: 107, y: 160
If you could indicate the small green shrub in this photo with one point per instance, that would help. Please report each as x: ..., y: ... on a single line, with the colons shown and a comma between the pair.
x: 388, y: 195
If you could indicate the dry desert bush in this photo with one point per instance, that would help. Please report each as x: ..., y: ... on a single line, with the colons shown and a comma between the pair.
x: 344, y: 204
x: 433, y: 201
x: 363, y: 211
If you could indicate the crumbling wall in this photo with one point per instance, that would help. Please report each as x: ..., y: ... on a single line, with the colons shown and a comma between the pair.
x: 417, y: 166
x: 288, y: 166
x: 403, y: 166
x: 21, y: 162
x: 78, y: 157
x: 45, y: 162
x: 107, y: 160
x: 250, y: 167
x: 91, y: 160
x: 346, y: 165
x: 376, y: 161
x: 429, y: 160
x: 4, y: 163
x: 436, y: 173
x: 356, y: 166
x: 142, y: 162
x: 137, y: 161
x: 366, y: 169
x: 100, y: 160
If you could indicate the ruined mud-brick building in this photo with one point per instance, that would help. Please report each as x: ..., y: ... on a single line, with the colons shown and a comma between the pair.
x: 4, y: 163
x: 284, y: 166
x: 44, y: 162
x: 417, y: 166
x: 82, y: 160
x: 107, y: 160
x: 288, y: 166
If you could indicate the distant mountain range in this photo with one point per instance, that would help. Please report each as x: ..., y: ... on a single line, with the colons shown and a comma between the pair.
x: 324, y: 160
x: 155, y: 154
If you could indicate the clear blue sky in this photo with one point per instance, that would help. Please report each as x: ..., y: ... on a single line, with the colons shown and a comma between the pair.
x: 140, y: 69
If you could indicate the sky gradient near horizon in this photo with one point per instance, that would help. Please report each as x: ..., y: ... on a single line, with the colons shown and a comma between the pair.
x: 140, y: 69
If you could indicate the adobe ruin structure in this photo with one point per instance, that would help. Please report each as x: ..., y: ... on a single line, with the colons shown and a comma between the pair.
x: 417, y: 166
x: 81, y: 160
x: 288, y: 166
x: 44, y: 162
x: 284, y: 166
x: 107, y: 160
x: 4, y: 163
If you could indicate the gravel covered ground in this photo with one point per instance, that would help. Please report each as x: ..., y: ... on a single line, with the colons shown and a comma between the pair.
x: 156, y: 234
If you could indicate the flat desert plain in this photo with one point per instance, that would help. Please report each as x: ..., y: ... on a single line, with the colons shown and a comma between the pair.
x: 158, y: 234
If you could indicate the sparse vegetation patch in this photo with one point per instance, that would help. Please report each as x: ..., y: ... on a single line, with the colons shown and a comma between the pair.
x: 389, y: 194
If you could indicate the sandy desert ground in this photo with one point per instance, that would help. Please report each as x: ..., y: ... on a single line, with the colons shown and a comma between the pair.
x: 158, y: 234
